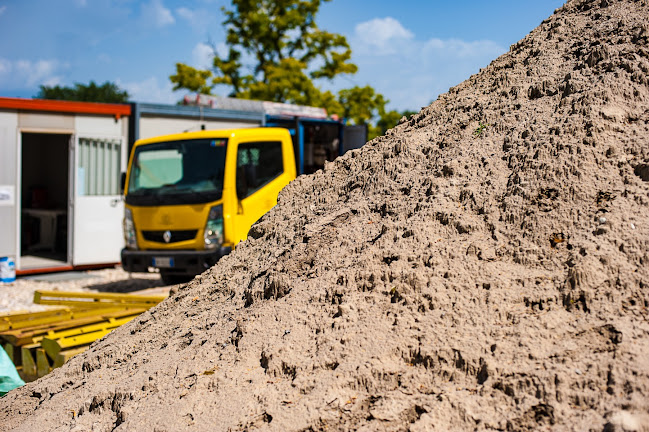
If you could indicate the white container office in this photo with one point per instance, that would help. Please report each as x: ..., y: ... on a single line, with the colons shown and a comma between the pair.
x: 60, y: 165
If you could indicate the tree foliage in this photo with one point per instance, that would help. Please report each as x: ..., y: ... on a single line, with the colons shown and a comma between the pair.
x: 276, y: 52
x: 390, y: 119
x: 192, y: 79
x: 282, y: 37
x: 107, y: 92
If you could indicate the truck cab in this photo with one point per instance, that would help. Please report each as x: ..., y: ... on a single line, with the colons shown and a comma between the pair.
x: 191, y: 197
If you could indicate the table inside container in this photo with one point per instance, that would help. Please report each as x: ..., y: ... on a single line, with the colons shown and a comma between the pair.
x: 47, y: 227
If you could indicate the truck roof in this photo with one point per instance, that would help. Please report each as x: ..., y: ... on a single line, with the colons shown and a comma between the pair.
x: 264, y: 132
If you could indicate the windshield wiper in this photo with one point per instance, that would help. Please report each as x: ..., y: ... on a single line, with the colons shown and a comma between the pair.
x: 191, y: 196
x: 159, y: 196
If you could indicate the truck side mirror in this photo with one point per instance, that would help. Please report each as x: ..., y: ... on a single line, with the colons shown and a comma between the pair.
x: 122, y: 183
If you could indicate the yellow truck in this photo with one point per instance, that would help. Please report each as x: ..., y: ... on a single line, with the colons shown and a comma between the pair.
x: 191, y: 197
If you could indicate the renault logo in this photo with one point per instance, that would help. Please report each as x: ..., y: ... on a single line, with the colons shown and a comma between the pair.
x: 166, y: 236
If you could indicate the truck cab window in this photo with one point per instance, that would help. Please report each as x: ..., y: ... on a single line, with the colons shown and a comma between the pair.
x: 177, y: 172
x: 157, y: 168
x: 258, y: 163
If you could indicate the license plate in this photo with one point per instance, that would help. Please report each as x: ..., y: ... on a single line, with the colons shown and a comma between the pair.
x: 163, y: 262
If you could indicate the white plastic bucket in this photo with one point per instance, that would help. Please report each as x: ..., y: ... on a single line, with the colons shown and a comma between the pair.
x: 7, y: 270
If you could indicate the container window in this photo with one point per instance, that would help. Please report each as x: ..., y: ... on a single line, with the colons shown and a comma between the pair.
x: 99, y: 166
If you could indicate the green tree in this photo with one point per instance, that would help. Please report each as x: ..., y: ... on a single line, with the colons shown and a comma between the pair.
x: 276, y: 52
x: 107, y: 92
x: 390, y: 119
x: 363, y: 105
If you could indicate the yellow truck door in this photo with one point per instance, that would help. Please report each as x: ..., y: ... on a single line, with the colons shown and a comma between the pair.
x: 263, y: 168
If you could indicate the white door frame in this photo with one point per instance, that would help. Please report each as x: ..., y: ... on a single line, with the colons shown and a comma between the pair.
x: 111, y: 206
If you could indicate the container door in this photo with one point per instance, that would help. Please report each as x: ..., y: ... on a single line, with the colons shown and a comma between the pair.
x: 96, y: 205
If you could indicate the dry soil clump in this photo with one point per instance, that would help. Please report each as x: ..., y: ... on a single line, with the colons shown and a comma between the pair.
x: 485, y: 265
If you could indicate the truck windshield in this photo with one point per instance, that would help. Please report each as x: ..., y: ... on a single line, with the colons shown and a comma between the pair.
x: 177, y: 172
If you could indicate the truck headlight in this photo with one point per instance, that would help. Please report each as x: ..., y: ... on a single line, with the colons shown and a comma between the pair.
x: 214, y: 228
x: 130, y: 238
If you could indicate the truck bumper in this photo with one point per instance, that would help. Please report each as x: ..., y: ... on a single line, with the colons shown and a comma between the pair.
x: 180, y: 262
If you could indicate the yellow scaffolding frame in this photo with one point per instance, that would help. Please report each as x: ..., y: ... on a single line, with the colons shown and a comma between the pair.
x: 96, y: 300
x: 38, y: 342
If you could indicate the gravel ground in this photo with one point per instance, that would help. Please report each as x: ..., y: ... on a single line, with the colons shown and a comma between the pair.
x: 18, y: 296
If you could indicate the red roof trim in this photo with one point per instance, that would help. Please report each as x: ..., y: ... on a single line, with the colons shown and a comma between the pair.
x: 117, y: 110
x: 62, y: 268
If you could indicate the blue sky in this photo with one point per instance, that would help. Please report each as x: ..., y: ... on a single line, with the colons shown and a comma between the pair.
x: 411, y: 51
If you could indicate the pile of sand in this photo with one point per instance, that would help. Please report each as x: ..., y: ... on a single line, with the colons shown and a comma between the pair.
x: 485, y: 265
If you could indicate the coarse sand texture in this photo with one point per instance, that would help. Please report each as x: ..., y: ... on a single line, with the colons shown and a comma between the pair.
x: 482, y: 266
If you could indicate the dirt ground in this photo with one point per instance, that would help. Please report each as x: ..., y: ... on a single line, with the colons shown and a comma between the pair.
x: 483, y: 266
x: 19, y: 295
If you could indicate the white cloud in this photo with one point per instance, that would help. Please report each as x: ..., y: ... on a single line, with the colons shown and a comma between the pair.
x: 150, y: 90
x: 53, y: 81
x: 461, y: 49
x: 81, y: 3
x: 26, y: 74
x: 3, y: 9
x: 185, y: 13
x: 157, y: 14
x: 382, y: 33
x: 412, y: 72
x: 201, y: 21
x: 223, y: 50
x: 202, y: 56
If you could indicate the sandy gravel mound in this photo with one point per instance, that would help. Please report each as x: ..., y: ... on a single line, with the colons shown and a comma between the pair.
x: 485, y: 265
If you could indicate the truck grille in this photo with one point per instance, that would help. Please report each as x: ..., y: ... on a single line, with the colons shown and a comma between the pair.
x: 176, y: 236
